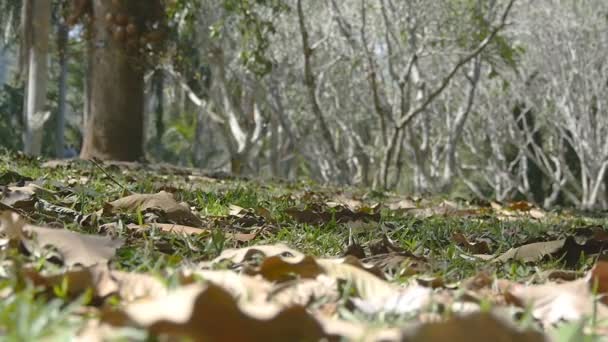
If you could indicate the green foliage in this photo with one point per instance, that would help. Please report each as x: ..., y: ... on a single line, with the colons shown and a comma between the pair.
x: 28, y: 316
x: 255, y: 30
x: 11, y: 107
x: 475, y: 26
x: 10, y: 12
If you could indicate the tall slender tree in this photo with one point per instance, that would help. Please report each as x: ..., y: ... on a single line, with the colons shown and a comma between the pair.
x: 36, y: 23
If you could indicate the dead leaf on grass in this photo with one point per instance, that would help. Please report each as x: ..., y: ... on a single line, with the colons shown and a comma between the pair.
x: 240, y: 255
x: 403, y: 301
x: 279, y: 269
x: 170, y: 228
x: 209, y: 313
x: 75, y: 248
x: 481, y: 247
x: 19, y: 197
x: 476, y: 327
x: 243, y: 287
x: 305, y: 291
x: 103, y: 282
x: 531, y: 252
x: 163, y: 201
x: 569, y: 250
x: 366, y: 284
x: 567, y: 301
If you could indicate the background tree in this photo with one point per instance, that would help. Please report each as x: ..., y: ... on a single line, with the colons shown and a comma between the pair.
x: 121, y: 34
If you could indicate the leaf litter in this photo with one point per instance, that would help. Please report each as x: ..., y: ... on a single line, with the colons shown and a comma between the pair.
x: 406, y: 268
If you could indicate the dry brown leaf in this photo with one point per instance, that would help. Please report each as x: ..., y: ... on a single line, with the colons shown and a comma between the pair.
x: 531, y: 252
x: 476, y: 327
x: 103, y: 282
x: 402, y: 204
x: 22, y: 197
x: 304, y: 291
x: 239, y: 255
x: 244, y: 287
x: 353, y: 261
x: 163, y: 201
x: 365, y: 283
x: 170, y: 228
x: 75, y: 248
x: 567, y: 301
x: 135, y: 286
x: 78, y: 280
x: 235, y: 210
x: 11, y: 225
x: 279, y: 269
x: 209, y: 313
x: 481, y: 247
x: 398, y: 300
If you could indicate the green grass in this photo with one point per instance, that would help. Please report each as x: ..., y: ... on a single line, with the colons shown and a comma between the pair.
x: 162, y: 253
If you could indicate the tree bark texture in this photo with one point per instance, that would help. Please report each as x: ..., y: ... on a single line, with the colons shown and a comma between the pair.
x: 37, y: 28
x: 114, y: 130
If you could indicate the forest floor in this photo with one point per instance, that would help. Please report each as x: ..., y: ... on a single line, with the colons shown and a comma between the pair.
x: 119, y: 251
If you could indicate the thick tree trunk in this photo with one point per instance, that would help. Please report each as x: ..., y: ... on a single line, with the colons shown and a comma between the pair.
x: 115, y: 126
x: 37, y: 27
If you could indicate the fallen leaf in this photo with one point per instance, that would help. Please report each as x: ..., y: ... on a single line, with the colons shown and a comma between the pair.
x: 243, y: 287
x: 278, y: 269
x: 568, y: 301
x: 402, y: 204
x: 209, y: 313
x: 569, y: 250
x: 103, y: 282
x: 170, y: 228
x: 481, y: 247
x: 402, y: 301
x: 305, y: 291
x: 162, y: 201
x: 239, y: 255
x: 75, y: 248
x: 476, y: 327
x: 531, y: 252
x: 366, y: 284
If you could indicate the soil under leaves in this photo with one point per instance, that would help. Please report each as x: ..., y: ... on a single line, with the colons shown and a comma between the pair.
x: 121, y: 251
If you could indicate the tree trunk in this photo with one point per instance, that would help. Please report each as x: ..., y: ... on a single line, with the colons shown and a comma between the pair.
x: 62, y: 45
x: 37, y: 27
x: 115, y: 126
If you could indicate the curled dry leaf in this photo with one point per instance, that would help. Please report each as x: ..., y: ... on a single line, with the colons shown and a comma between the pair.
x: 163, y: 201
x: 568, y: 249
x: 209, y: 313
x: 400, y: 301
x: 243, y: 287
x: 239, y: 255
x: 279, y: 269
x: 103, y: 282
x: 170, y: 228
x: 303, y: 292
x: 568, y: 301
x: 365, y: 283
x: 481, y: 247
x: 476, y: 327
x: 75, y: 248
x: 531, y: 252
x: 22, y: 197
x: 281, y: 263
